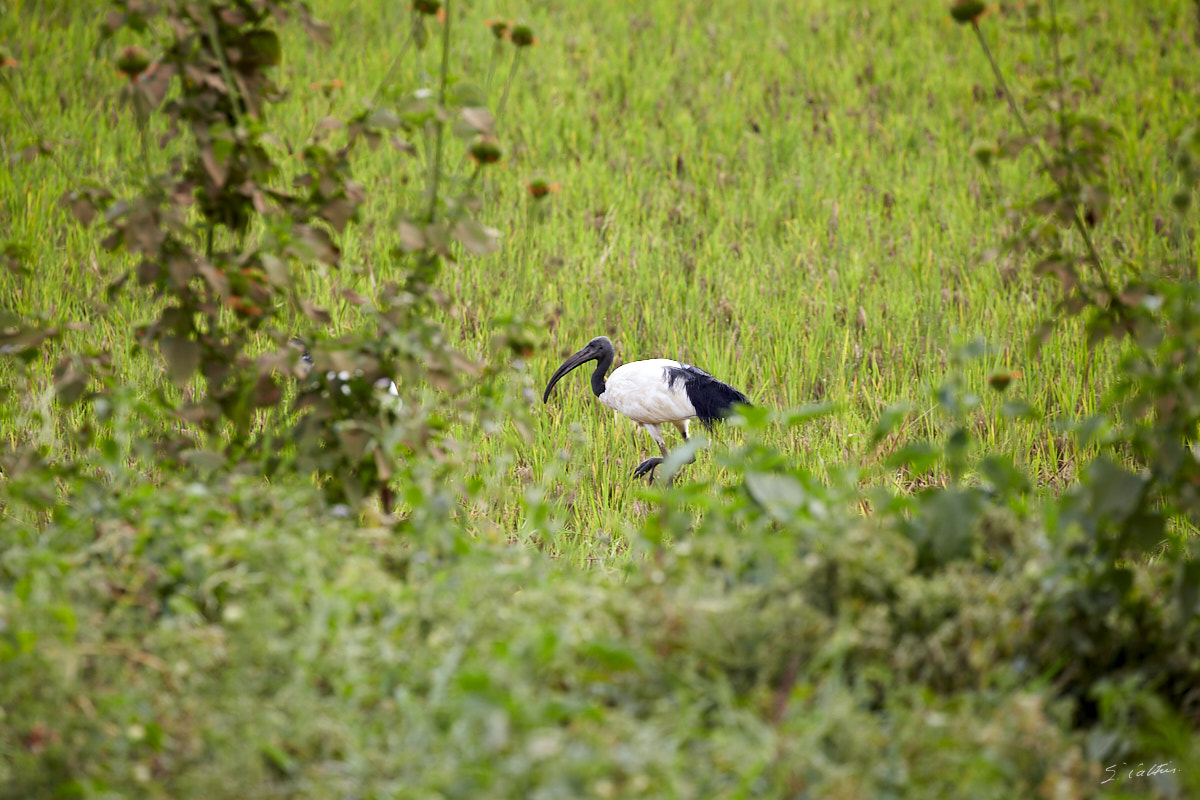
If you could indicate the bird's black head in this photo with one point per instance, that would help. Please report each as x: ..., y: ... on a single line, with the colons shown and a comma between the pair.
x: 598, y: 349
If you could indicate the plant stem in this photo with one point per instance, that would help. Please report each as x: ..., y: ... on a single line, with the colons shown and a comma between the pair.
x: 387, y: 79
x: 435, y: 178
x: 1063, y: 131
x: 512, y: 70
x: 143, y: 121
x: 214, y: 34
x: 474, y: 175
x: 1093, y: 255
x: 487, y: 84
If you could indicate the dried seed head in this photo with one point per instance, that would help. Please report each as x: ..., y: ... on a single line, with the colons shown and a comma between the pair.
x: 539, y: 188
x: 133, y: 61
x: 485, y: 150
x: 967, y: 11
x: 522, y: 36
x: 1000, y: 380
x: 499, y: 27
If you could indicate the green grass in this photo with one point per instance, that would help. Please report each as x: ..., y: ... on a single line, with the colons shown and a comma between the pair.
x: 781, y: 194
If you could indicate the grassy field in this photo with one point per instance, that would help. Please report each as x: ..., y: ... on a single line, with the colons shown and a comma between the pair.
x: 779, y: 192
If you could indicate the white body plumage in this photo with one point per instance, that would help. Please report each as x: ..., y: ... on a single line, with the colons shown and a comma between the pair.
x: 642, y: 391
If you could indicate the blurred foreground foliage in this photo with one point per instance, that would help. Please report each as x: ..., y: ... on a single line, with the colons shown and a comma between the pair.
x: 222, y: 639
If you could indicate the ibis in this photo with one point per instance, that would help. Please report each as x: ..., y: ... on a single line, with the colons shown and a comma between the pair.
x: 653, y: 393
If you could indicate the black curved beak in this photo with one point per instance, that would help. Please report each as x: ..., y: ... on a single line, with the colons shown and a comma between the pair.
x: 590, y: 352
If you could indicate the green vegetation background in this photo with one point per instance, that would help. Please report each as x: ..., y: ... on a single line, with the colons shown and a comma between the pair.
x: 779, y: 192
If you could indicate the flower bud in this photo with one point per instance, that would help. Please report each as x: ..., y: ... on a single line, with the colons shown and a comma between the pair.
x: 965, y: 11
x: 133, y: 61
x: 522, y: 36
x: 499, y: 28
x: 485, y: 150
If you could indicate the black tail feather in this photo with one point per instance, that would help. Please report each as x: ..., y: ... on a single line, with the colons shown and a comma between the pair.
x: 712, y: 399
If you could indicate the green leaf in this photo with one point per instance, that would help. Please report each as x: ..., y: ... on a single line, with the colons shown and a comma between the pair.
x: 383, y: 118
x: 948, y: 397
x: 975, y: 349
x: 354, y: 441
x: 1187, y: 586
x: 889, y: 420
x: 109, y: 448
x: 214, y: 166
x: 182, y: 356
x: 611, y: 656
x: 415, y: 108
x: 277, y: 759
x: 1091, y: 430
x: 984, y: 152
x: 203, y: 460
x: 265, y: 44
x: 25, y: 341
x: 412, y: 237
x: 80, y: 206
x: 918, y: 457
x: 338, y: 212
x: 781, y: 496
x: 420, y: 33
x: 805, y: 413
x: 477, y: 238
x: 752, y: 418
x: 317, y: 245
x: 1115, y: 492
x: 276, y: 270
x: 319, y: 31
x: 70, y: 386
x: 473, y: 122
x: 943, y: 525
x: 466, y: 94
x: 1006, y: 479
x: 1019, y: 409
x: 958, y: 442
x: 684, y: 454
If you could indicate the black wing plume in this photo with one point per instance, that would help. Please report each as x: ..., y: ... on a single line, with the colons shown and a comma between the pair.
x: 712, y: 399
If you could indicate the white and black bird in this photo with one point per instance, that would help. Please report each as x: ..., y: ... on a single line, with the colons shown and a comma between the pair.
x: 653, y: 393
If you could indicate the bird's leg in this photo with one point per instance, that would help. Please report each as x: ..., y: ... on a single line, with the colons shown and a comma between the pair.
x: 648, y: 466
x: 682, y: 427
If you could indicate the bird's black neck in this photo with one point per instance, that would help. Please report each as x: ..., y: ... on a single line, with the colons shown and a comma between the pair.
x: 602, y: 365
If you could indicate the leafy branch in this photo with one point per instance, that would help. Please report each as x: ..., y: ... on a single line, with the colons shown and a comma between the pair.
x: 1076, y: 171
